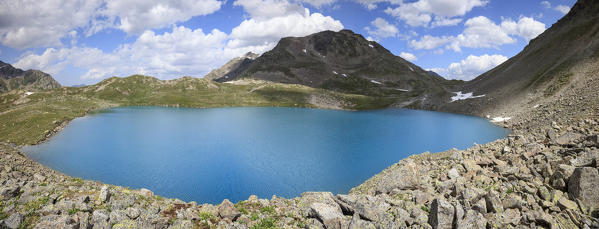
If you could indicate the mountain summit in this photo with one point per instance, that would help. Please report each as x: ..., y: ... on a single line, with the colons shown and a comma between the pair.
x: 341, y: 61
x: 13, y: 78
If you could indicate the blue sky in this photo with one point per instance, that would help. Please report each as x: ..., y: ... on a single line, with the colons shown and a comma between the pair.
x: 85, y: 41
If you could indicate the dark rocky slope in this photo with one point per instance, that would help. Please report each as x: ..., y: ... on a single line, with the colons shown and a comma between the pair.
x: 542, y: 69
x: 341, y: 61
x: 12, y: 78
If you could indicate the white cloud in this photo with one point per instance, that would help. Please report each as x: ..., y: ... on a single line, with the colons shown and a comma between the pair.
x: 382, y: 28
x: 135, y: 16
x: 430, y: 42
x: 273, y: 29
x: 420, y: 13
x: 546, y: 4
x: 27, y: 24
x: 562, y: 8
x: 182, y: 51
x: 408, y: 56
x: 526, y: 27
x: 443, y: 21
x: 480, y: 32
x: 470, y: 67
x: 266, y: 9
x: 319, y: 3
x: 30, y: 23
x: 372, y: 4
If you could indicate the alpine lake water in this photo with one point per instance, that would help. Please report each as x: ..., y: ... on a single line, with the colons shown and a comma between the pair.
x: 207, y: 155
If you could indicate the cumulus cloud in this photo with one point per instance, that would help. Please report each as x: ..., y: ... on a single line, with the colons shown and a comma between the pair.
x: 408, y: 56
x: 319, y: 3
x: 180, y: 52
x: 480, y: 32
x: 135, y: 16
x: 372, y: 4
x: 470, y: 67
x: 27, y: 24
x: 421, y: 13
x: 526, y: 27
x: 274, y: 28
x: 183, y: 51
x: 382, y: 28
x: 30, y: 24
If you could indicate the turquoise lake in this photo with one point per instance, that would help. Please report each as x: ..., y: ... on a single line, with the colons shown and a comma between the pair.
x: 207, y: 155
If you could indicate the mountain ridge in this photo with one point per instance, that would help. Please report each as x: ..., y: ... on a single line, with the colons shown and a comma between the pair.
x: 12, y: 78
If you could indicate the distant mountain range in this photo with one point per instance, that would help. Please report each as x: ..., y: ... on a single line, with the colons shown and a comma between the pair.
x: 12, y: 78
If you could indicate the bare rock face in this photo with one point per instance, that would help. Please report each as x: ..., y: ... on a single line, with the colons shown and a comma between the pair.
x: 227, y: 210
x: 407, y: 177
x: 329, y: 215
x: 441, y: 214
x: 583, y: 185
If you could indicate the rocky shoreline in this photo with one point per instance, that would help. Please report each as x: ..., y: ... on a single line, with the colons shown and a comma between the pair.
x: 537, y: 177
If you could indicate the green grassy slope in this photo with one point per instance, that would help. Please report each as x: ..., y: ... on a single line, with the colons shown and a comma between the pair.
x: 29, y: 119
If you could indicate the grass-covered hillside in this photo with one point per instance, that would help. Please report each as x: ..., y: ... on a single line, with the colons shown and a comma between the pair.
x: 29, y: 119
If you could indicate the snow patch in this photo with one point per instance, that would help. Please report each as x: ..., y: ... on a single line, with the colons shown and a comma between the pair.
x: 536, y: 106
x: 404, y: 90
x: 334, y: 72
x: 376, y: 82
x: 28, y: 93
x: 460, y: 96
x: 344, y: 75
x: 305, y: 51
x: 500, y: 119
x: 411, y: 69
x: 372, y: 46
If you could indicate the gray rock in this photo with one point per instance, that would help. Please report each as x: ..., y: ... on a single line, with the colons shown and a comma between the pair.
x: 568, y: 138
x: 480, y: 206
x: 493, y: 203
x: 368, y: 207
x: 544, y: 193
x: 586, y: 158
x: 512, y: 201
x: 10, y: 191
x: 308, y: 198
x: 132, y: 213
x: 329, y: 215
x: 146, y: 192
x: 357, y: 223
x: 117, y: 216
x: 472, y: 219
x: 441, y: 214
x: 57, y: 221
x: 104, y: 194
x: 406, y: 177
x: 100, y: 218
x: 13, y: 221
x: 583, y: 185
x: 226, y: 210
x: 453, y: 173
x: 564, y: 203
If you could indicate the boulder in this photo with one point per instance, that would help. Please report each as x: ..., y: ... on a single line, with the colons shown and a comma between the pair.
x: 569, y: 138
x: 565, y: 204
x: 56, y: 221
x: 404, y: 177
x: 226, y: 210
x: 104, y: 194
x: 453, y: 173
x: 368, y: 207
x: 132, y: 213
x: 329, y: 215
x: 586, y: 158
x: 357, y: 223
x: 472, y: 219
x: 146, y: 192
x: 308, y: 198
x: 13, y: 221
x: 441, y: 214
x: 493, y: 203
x: 583, y: 186
x: 100, y: 218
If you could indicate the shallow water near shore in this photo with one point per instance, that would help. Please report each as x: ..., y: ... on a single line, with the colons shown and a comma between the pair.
x: 207, y: 155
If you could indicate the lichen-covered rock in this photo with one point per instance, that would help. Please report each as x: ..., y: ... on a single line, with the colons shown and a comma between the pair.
x: 226, y: 210
x: 13, y: 221
x: 328, y: 214
x: 406, y: 176
x: 583, y: 185
x: 441, y: 214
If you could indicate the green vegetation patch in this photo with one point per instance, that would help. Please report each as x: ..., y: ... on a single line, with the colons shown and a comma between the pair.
x: 558, y: 83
